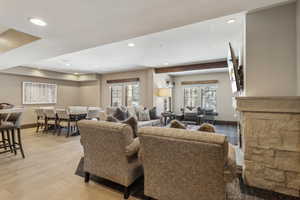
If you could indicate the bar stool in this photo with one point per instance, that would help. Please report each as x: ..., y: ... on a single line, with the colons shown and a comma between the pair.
x: 16, y: 143
x: 5, y: 128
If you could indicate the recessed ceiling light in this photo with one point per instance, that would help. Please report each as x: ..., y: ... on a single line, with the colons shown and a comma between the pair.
x: 76, y: 73
x: 68, y: 64
x: 131, y: 44
x: 230, y: 21
x: 166, y: 63
x: 37, y: 21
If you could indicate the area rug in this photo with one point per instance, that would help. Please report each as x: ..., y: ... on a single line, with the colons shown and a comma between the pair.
x: 236, y: 190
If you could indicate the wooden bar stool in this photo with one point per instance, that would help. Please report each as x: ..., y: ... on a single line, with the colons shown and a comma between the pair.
x: 6, y: 144
x: 16, y: 143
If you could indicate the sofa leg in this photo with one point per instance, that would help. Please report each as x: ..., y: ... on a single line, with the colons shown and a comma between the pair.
x: 86, y: 177
x: 126, y: 193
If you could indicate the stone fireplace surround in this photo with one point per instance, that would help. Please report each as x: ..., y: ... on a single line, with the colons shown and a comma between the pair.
x: 271, y: 143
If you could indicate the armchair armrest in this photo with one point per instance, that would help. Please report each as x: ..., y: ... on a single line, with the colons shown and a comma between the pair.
x: 133, y: 148
x: 230, y: 167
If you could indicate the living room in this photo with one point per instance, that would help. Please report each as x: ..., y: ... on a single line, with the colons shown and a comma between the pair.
x: 207, y: 104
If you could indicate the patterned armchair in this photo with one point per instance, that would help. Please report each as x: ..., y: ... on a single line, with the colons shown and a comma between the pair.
x: 110, y: 152
x: 182, y: 164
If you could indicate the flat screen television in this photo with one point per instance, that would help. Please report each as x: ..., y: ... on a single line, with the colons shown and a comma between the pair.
x: 233, y: 66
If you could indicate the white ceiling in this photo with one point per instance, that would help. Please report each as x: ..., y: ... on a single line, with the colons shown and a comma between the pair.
x: 75, y: 25
x: 189, y: 44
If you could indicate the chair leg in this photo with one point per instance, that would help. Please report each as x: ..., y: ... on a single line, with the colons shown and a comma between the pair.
x: 37, y: 127
x: 20, y: 142
x: 13, y: 140
x: 69, y: 129
x: 126, y: 193
x: 86, y: 177
x: 4, y: 140
x: 9, y: 141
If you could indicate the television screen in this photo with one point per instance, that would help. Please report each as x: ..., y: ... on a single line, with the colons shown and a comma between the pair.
x: 233, y: 67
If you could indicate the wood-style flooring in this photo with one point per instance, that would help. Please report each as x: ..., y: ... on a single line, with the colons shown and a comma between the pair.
x: 48, y: 171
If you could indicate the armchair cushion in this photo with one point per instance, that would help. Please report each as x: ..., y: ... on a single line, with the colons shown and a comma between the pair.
x: 133, y: 148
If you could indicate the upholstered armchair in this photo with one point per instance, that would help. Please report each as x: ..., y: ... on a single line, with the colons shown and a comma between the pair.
x: 110, y: 152
x: 182, y: 164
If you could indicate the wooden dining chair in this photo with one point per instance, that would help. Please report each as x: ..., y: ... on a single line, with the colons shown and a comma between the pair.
x: 16, y: 143
x: 40, y: 119
x: 50, y: 119
x: 65, y: 121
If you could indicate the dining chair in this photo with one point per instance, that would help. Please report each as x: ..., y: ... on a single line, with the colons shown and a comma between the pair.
x: 65, y: 121
x: 93, y: 113
x: 51, y: 119
x: 40, y: 119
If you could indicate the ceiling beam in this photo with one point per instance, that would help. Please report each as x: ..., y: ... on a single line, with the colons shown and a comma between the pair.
x: 201, y: 66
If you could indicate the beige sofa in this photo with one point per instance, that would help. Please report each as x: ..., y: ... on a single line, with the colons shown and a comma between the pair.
x: 109, y: 111
x: 109, y: 152
x: 185, y: 165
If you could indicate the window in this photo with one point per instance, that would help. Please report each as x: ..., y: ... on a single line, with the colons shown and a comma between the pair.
x: 39, y: 93
x: 132, y: 95
x: 126, y: 94
x: 201, y: 96
x: 116, y: 95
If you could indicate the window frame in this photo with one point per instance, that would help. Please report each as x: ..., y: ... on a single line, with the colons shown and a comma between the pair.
x: 201, y: 87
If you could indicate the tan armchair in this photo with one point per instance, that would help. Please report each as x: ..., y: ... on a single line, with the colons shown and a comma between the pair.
x: 185, y: 165
x: 110, y: 152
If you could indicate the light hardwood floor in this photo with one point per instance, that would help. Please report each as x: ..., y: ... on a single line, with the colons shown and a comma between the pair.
x: 48, y: 171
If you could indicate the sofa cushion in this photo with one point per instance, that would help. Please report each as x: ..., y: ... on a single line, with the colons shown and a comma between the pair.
x: 177, y: 124
x: 144, y: 115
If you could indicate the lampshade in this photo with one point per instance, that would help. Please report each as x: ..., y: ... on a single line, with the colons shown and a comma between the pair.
x: 164, y: 92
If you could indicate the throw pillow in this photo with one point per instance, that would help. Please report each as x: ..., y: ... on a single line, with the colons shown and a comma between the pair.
x: 132, y: 122
x: 152, y: 113
x: 207, y: 128
x: 120, y: 114
x: 177, y: 124
x: 189, y: 109
x: 132, y: 112
x: 144, y: 115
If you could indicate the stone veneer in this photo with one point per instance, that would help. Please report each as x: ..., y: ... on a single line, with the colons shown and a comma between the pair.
x: 271, y: 142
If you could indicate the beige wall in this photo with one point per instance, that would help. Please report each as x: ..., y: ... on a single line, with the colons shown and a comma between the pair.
x: 271, y: 52
x: 11, y: 92
x: 146, y: 86
x: 224, y: 93
x: 90, y: 93
x: 298, y: 45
